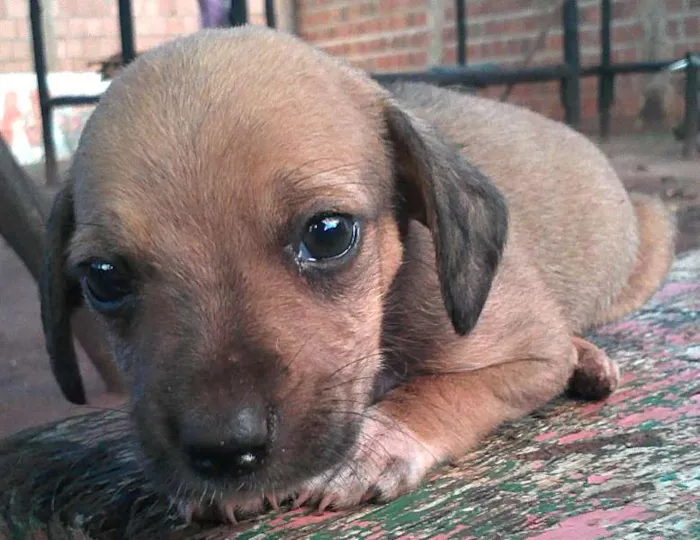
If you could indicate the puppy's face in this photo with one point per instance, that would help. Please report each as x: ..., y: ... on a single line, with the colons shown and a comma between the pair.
x: 232, y: 216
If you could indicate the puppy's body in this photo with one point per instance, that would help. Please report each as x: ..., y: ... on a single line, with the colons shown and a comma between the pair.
x: 573, y: 213
x: 489, y: 239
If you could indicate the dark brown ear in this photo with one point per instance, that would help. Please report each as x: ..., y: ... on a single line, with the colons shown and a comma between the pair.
x: 464, y: 210
x: 60, y: 296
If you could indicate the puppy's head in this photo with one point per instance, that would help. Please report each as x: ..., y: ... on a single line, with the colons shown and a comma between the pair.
x: 234, y: 216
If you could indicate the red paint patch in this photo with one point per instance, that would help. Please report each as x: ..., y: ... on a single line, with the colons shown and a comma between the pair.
x: 598, y: 478
x: 458, y: 529
x: 593, y: 525
x: 578, y: 436
x: 662, y: 414
x: 676, y: 289
x: 309, y: 519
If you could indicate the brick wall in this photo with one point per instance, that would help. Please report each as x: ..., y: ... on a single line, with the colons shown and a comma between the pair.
x: 385, y: 35
x: 79, y: 32
x: 415, y: 34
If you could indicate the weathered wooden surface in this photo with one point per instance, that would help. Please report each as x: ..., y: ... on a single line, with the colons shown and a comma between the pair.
x: 627, y: 468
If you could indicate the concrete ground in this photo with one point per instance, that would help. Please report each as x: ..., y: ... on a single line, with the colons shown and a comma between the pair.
x: 30, y: 397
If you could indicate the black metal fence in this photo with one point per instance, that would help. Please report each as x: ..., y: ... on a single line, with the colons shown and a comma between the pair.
x: 569, y: 72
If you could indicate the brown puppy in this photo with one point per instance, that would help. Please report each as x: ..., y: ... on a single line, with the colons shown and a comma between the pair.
x: 321, y: 287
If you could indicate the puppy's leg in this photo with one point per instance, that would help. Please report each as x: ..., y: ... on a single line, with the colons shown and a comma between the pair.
x: 596, y: 376
x: 434, y: 418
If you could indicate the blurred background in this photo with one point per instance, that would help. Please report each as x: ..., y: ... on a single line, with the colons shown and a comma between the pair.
x: 620, y: 71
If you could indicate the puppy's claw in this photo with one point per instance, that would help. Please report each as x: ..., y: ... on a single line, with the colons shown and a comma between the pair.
x: 301, y: 499
x: 230, y: 513
x: 186, y: 510
x: 272, y: 501
x: 369, y: 495
x: 325, y: 503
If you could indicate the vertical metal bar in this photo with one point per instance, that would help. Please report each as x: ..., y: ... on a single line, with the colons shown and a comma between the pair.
x: 126, y: 31
x: 238, y: 14
x: 39, y: 53
x: 606, y: 78
x: 461, y: 16
x: 570, y: 85
x: 270, y: 18
x: 692, y: 115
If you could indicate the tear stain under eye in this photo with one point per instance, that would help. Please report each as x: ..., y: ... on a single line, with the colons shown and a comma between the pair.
x: 386, y: 380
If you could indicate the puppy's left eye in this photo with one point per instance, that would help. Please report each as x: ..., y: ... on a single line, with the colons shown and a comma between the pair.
x: 328, y: 237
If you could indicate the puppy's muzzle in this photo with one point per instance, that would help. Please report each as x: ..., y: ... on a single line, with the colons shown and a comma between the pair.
x: 226, y: 445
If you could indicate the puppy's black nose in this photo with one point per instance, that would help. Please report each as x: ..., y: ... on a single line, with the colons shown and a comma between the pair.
x: 239, y: 447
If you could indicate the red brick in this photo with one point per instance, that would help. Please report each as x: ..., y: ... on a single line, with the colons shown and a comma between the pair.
x: 692, y: 26
x: 672, y: 29
x: 588, y: 37
x: 77, y: 27
x: 555, y: 42
x: 681, y: 49
x: 19, y: 49
x: 8, y: 30
x: 361, y: 10
x: 589, y: 14
x: 22, y: 29
x: 174, y: 25
x: 627, y: 33
x: 5, y: 53
x: 151, y: 26
x: 167, y: 8
x: 74, y: 48
x: 61, y: 52
x: 17, y: 9
x: 624, y: 54
x: 394, y: 6
x: 19, y: 67
x: 449, y: 56
x: 449, y: 33
x: 623, y: 9
x: 675, y: 6
x: 316, y: 18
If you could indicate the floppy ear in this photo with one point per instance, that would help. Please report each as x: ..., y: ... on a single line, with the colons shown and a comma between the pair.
x: 60, y: 296
x: 465, y: 212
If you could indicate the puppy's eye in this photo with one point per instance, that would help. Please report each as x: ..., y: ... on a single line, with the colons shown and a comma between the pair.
x: 107, y: 286
x: 328, y: 237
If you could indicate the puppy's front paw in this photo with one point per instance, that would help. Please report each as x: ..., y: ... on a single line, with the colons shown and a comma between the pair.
x: 388, y: 461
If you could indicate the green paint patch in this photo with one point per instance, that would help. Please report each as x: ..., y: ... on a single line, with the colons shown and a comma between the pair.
x: 512, y: 486
x: 546, y: 508
x: 506, y: 467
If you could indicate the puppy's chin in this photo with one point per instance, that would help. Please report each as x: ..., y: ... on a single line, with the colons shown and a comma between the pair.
x: 319, y: 442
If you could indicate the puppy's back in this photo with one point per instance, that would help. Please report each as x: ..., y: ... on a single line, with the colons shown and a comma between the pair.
x: 568, y: 209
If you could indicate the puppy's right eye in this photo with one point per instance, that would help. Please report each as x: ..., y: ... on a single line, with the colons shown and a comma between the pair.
x: 328, y: 237
x: 107, y: 286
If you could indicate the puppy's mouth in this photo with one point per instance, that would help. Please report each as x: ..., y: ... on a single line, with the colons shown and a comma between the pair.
x: 223, y: 471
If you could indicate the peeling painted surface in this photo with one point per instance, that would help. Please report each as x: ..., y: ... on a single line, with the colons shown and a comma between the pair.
x: 627, y: 468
